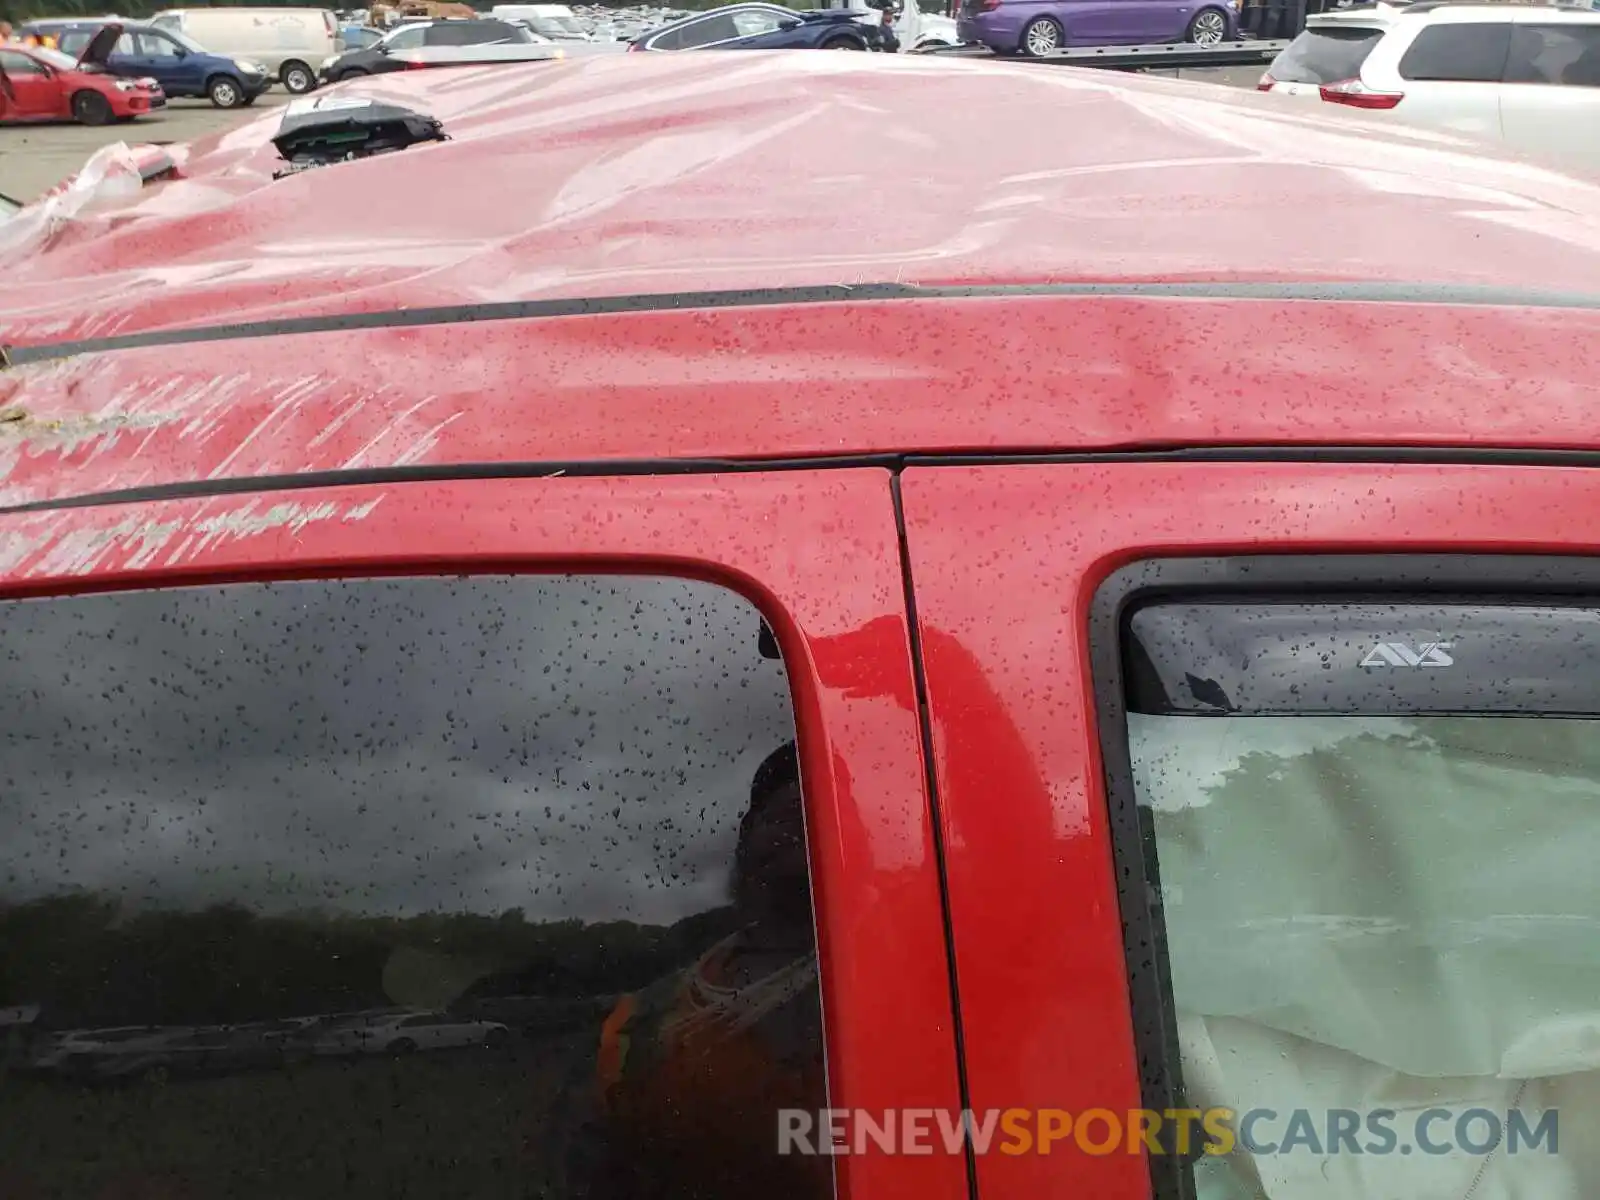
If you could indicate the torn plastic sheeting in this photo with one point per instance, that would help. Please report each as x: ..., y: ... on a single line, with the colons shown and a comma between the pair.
x: 112, y: 172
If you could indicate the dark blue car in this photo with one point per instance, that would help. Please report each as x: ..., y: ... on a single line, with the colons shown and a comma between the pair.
x: 182, y: 67
x: 771, y: 27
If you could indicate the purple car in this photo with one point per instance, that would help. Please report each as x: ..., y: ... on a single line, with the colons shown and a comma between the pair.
x: 1035, y: 27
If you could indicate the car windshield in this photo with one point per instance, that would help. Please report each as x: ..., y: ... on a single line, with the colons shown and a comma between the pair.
x: 1327, y: 54
x: 56, y: 59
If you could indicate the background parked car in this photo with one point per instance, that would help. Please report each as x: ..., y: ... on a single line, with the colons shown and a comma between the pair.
x: 410, y: 1032
x: 553, y: 21
x: 379, y: 58
x: 1035, y: 27
x: 288, y: 41
x: 40, y: 84
x: 1528, y: 76
x: 179, y: 64
x: 771, y: 27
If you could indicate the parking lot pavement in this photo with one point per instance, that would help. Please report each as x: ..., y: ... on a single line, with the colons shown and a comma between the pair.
x: 34, y: 158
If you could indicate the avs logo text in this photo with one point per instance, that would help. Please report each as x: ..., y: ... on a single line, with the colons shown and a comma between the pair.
x: 1398, y: 654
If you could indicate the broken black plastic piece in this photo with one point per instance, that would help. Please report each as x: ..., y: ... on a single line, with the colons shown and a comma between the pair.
x: 339, y: 128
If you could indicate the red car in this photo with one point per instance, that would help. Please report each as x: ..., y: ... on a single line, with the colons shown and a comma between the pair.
x: 41, y: 84
x: 1039, y: 630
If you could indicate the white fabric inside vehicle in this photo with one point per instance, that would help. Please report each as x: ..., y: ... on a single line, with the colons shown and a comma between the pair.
x: 1384, y: 913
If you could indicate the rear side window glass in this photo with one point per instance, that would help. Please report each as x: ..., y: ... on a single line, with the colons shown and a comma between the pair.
x: 1461, y: 53
x: 1327, y: 55
x: 479, y: 887
x: 1367, y: 832
x: 1555, y: 54
x: 470, y: 33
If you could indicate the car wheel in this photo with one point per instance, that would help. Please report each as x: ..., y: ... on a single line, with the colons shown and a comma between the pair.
x: 1208, y: 28
x: 225, y: 92
x: 497, y: 1039
x: 352, y: 73
x: 842, y: 43
x: 91, y: 108
x: 297, y: 78
x: 402, y: 1046
x: 1042, y: 36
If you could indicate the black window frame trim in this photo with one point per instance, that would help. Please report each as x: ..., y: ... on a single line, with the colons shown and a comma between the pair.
x: 1397, y: 578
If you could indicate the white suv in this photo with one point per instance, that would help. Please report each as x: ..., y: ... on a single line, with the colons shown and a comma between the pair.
x: 1527, y: 75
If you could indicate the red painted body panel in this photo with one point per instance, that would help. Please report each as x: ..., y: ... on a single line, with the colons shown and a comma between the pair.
x: 630, y: 173
x: 1005, y: 562
x: 59, y: 88
x: 898, y: 376
x: 838, y: 609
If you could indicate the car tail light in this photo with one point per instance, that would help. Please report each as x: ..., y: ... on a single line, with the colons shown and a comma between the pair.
x: 1266, y: 82
x: 1358, y: 95
x: 988, y: 5
x: 327, y: 19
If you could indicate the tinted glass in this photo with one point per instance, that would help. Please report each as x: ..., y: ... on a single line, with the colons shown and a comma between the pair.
x: 1327, y: 55
x: 248, y: 831
x: 13, y: 63
x: 1557, y: 54
x: 753, y: 22
x: 470, y: 33
x: 1464, y: 53
x: 154, y: 45
x: 407, y: 39
x: 1380, y: 914
x: 713, y: 29
x: 1223, y: 658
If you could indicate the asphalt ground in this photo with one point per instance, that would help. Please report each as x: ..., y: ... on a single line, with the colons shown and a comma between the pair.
x: 34, y: 158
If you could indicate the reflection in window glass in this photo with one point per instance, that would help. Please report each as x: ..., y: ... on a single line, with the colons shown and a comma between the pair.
x: 490, y: 887
x: 1466, y: 53
x: 1382, y: 913
x: 1555, y: 54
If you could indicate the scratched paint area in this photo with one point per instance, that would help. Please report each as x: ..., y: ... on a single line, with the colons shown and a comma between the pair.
x: 73, y: 543
x: 82, y: 414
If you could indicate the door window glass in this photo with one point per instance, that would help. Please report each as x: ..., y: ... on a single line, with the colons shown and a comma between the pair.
x: 552, y: 822
x: 1463, y: 53
x: 154, y: 45
x: 1370, y: 831
x: 753, y: 22
x: 15, y: 64
x: 406, y: 39
x: 719, y: 28
x: 1555, y: 54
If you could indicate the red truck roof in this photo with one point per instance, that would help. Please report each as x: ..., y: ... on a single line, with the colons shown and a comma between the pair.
x: 785, y: 255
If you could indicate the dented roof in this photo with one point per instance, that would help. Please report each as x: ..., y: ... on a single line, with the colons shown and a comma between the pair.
x: 648, y: 181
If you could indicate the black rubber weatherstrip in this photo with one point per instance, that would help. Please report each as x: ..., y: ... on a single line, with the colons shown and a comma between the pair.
x: 919, y: 680
x: 245, y: 485
x: 514, y: 310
